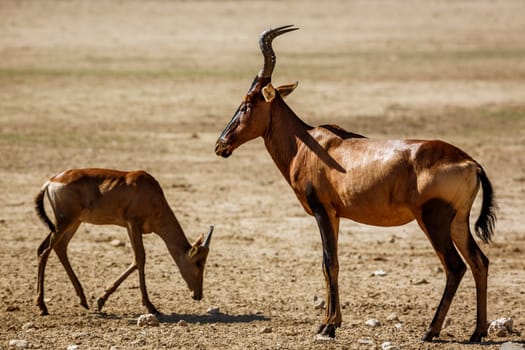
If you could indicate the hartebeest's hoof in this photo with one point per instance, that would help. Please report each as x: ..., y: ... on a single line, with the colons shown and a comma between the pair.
x: 326, y: 330
x: 152, y: 309
x: 477, y: 336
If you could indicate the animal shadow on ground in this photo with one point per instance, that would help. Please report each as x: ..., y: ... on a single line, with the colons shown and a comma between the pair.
x: 218, y: 317
x: 483, y: 343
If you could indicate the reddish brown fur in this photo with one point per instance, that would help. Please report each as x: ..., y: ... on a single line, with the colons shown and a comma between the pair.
x: 133, y: 200
x: 337, y: 174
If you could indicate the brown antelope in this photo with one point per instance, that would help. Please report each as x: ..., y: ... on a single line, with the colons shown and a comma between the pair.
x: 337, y: 174
x: 133, y: 200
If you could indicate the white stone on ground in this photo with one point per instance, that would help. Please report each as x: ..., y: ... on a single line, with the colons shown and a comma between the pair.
x: 148, y: 320
x: 501, y: 327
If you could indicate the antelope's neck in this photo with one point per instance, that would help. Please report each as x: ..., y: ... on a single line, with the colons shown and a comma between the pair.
x: 172, y: 234
x: 284, y: 135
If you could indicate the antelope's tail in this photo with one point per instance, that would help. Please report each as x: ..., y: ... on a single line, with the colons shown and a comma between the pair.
x: 487, y: 217
x: 40, y: 211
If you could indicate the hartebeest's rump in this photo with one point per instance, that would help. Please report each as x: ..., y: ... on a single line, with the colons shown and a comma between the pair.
x: 133, y: 200
x: 337, y: 174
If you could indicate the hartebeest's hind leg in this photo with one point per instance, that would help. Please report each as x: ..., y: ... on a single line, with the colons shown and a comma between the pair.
x: 329, y: 228
x: 479, y: 265
x: 435, y: 219
x: 135, y: 237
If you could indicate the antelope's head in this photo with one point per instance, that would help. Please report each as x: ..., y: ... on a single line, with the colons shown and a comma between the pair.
x: 253, y: 116
x: 193, y: 262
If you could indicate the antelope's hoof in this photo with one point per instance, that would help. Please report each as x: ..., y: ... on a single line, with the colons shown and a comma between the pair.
x: 43, y: 308
x: 100, y: 303
x: 429, y: 336
x: 44, y: 312
x: 84, y: 304
x: 327, y: 330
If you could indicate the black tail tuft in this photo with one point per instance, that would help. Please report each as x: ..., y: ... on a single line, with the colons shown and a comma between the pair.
x: 40, y: 211
x: 487, y: 217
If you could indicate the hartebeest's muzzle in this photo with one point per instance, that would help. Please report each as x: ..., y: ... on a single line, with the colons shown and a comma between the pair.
x: 222, y: 148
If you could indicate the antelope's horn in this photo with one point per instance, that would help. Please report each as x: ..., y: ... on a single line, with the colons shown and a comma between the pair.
x: 206, y: 243
x: 265, y: 43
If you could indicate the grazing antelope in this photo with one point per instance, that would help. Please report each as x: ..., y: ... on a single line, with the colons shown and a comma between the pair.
x: 133, y: 200
x: 337, y: 174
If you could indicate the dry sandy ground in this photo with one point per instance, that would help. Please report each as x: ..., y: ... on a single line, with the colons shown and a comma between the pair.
x: 150, y: 85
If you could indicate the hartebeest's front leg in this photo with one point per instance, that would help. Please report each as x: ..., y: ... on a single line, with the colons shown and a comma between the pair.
x: 328, y: 224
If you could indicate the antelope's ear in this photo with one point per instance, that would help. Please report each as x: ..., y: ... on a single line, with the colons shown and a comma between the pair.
x: 285, y: 90
x: 194, y: 250
x: 268, y: 92
x: 198, y: 241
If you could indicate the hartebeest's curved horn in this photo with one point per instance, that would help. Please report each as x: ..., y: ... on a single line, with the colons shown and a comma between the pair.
x: 265, y: 43
x: 206, y: 243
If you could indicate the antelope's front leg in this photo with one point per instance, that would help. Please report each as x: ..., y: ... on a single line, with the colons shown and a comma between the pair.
x: 135, y: 236
x: 328, y: 224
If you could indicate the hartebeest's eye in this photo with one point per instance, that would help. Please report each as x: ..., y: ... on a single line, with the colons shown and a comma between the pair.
x: 246, y: 108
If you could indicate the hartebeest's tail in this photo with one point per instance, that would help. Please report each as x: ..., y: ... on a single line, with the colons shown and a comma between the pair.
x: 487, y: 217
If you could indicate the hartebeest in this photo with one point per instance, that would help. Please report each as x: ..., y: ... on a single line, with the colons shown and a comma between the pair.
x: 335, y: 173
x: 131, y: 199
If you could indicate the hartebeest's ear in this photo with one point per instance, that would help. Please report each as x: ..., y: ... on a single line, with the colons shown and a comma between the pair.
x: 285, y: 90
x: 268, y: 92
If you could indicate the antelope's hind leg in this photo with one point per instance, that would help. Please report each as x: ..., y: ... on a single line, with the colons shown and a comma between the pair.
x: 435, y: 220
x: 58, y: 242
x: 479, y: 265
x: 43, y: 254
x: 61, y: 250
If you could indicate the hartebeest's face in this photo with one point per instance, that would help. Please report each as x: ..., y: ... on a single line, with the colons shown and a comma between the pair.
x: 253, y: 117
x: 249, y: 121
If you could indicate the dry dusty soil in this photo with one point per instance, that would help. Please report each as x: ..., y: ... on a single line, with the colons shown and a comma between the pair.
x: 151, y: 84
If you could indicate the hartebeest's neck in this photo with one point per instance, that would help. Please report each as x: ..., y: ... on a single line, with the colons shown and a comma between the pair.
x: 284, y: 135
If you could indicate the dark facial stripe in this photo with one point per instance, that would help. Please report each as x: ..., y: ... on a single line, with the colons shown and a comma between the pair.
x: 234, y: 122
